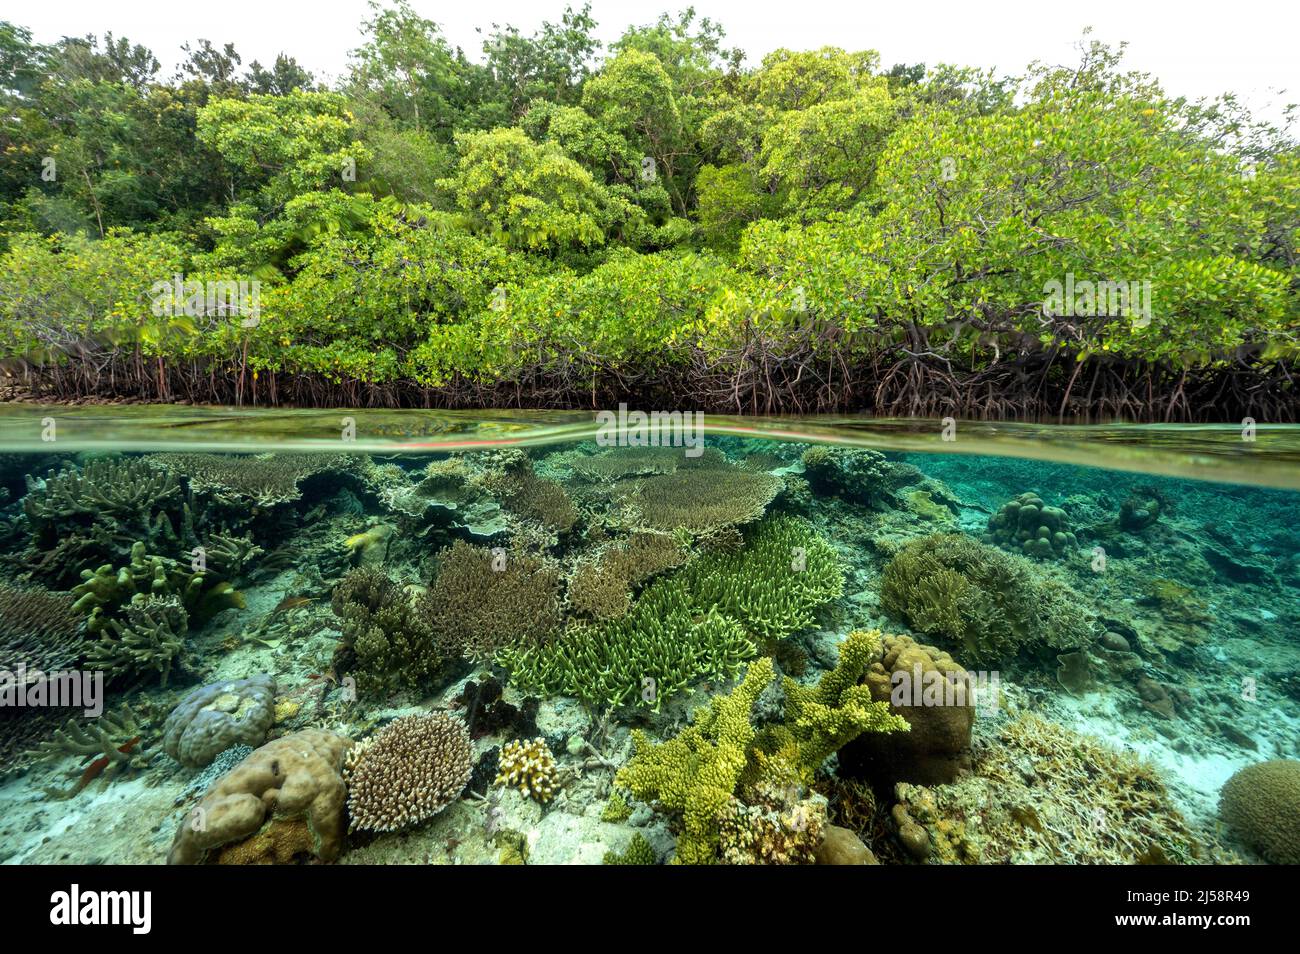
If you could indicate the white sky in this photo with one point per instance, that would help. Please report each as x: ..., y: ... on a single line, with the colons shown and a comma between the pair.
x: 1196, y: 48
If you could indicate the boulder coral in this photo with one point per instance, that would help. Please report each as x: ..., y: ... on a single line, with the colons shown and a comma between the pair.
x: 1261, y: 804
x: 284, y: 801
x: 938, y: 746
x: 215, y: 717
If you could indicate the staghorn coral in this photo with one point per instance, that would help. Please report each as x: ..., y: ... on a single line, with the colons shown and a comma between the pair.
x: 147, y: 635
x: 601, y: 588
x: 39, y: 629
x: 821, y: 719
x: 991, y: 604
x: 264, y: 480
x: 693, y: 624
x: 695, y: 773
x: 1261, y: 804
x: 658, y: 649
x: 284, y: 801
x: 105, y: 747
x: 409, y: 771
x: 774, y: 583
x: 119, y: 488
x: 391, y: 640
x: 529, y: 767
x: 616, y: 809
x: 213, y: 718
x: 1028, y: 525
x: 935, y: 696
x: 483, y: 602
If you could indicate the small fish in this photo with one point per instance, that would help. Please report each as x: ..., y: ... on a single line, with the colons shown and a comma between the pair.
x: 292, y: 602
x: 94, y: 770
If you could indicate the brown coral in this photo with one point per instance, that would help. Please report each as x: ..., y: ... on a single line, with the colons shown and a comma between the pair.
x: 1261, y: 803
x: 409, y: 771
x: 38, y: 628
x: 483, y: 601
x: 703, y: 497
x: 293, y: 781
x: 939, y: 706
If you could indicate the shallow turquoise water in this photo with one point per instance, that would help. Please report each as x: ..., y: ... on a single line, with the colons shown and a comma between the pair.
x: 1135, y: 585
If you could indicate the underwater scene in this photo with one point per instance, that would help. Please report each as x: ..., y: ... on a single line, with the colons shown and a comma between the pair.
x: 523, y: 641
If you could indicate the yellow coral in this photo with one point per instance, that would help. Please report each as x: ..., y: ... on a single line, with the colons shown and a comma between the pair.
x: 529, y: 767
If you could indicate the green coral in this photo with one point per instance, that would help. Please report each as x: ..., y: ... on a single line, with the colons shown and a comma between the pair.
x: 1261, y: 804
x: 639, y: 851
x: 105, y: 590
x: 148, y: 636
x: 702, y: 496
x: 1032, y: 527
x: 703, y: 621
x: 616, y: 809
x: 392, y: 642
x: 697, y: 771
x: 823, y: 718
x: 994, y: 605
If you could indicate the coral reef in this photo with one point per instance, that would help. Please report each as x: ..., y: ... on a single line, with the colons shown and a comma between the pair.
x: 213, y: 718
x: 484, y: 601
x: 639, y: 851
x: 529, y: 767
x: 1030, y: 526
x: 773, y: 829
x: 1261, y: 804
x: 601, y: 588
x: 991, y: 605
x: 407, y: 772
x: 284, y: 801
x: 864, y: 476
x: 146, y: 636
x: 935, y: 696
x: 390, y: 638
x: 106, y: 746
x: 263, y: 480
x: 702, y: 496
x: 39, y: 628
x: 696, y: 772
x: 1022, y: 805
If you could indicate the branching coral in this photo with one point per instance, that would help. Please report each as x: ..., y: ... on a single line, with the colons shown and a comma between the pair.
x: 120, y: 488
x: 618, y: 463
x: 147, y: 635
x: 639, y: 851
x: 482, y: 602
x: 533, y: 498
x: 772, y: 585
x: 105, y: 747
x: 993, y: 605
x: 38, y: 628
x: 409, y: 771
x: 693, y: 624
x: 390, y: 638
x: 774, y: 828
x: 529, y: 767
x: 600, y: 588
x: 696, y: 772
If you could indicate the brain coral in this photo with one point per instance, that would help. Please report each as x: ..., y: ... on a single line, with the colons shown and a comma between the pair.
x: 1261, y: 803
x: 284, y: 800
x: 410, y: 770
x: 213, y: 718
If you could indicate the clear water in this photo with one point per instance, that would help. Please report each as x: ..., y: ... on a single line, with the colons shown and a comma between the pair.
x: 384, y: 578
